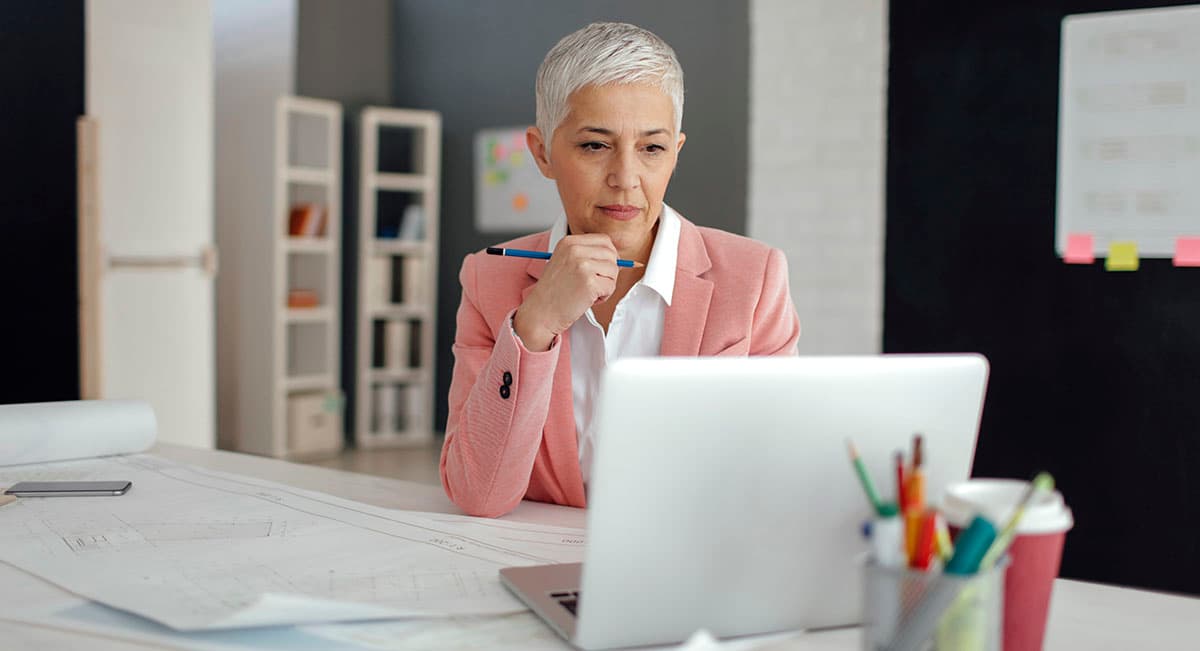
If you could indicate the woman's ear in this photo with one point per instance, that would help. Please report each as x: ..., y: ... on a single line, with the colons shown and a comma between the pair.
x: 679, y: 144
x: 537, y: 147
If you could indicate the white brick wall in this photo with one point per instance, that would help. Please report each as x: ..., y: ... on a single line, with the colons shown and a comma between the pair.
x: 818, y: 88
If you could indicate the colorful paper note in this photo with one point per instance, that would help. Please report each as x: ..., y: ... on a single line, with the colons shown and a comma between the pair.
x: 1187, y: 252
x: 1122, y: 256
x: 1080, y: 249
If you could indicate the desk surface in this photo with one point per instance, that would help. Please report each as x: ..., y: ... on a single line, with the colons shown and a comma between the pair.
x: 1083, y: 615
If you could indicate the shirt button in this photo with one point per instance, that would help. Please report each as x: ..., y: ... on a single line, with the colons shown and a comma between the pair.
x: 507, y: 378
x: 504, y: 391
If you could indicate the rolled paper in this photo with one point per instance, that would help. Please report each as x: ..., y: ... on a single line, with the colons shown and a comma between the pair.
x: 55, y: 431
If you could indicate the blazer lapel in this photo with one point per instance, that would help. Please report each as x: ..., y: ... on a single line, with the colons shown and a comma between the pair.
x: 683, y: 323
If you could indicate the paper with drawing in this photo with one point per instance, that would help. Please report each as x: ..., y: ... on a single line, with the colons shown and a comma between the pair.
x: 196, y: 549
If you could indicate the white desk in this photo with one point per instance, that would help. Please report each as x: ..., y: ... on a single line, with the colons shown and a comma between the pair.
x: 1083, y: 615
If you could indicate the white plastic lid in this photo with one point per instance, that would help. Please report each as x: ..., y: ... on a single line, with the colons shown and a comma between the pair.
x: 995, y: 500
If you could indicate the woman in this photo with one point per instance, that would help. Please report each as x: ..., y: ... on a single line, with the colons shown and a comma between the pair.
x: 534, y: 336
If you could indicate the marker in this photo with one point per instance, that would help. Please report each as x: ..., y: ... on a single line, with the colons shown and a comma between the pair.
x: 545, y: 255
x: 887, y: 534
x: 972, y: 544
x: 1041, y: 482
x: 945, y: 548
x: 864, y: 478
x: 914, y: 495
x: 926, y: 536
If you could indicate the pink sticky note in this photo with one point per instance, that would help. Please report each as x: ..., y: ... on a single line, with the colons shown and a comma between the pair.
x: 1079, y: 249
x: 1187, y: 252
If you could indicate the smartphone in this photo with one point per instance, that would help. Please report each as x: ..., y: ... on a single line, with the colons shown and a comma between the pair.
x: 67, y: 488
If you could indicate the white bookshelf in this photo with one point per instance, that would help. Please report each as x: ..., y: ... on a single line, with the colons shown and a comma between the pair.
x: 288, y: 401
x: 397, y: 277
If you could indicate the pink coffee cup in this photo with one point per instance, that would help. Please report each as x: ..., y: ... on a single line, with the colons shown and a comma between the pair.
x: 1034, y: 555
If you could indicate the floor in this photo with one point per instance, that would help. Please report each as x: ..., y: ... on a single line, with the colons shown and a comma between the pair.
x: 413, y: 464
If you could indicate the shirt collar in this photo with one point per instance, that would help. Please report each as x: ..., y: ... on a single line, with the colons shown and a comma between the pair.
x: 664, y: 255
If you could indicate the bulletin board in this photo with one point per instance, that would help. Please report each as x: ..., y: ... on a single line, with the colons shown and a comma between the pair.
x: 511, y: 195
x: 1129, y: 137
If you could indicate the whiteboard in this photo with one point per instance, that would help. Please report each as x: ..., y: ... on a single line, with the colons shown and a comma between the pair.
x: 1129, y: 129
x: 511, y: 195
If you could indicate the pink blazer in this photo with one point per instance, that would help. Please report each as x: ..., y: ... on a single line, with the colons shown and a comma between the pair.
x: 511, y: 430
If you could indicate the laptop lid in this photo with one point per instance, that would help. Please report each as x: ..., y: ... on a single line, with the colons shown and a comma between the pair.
x: 722, y: 493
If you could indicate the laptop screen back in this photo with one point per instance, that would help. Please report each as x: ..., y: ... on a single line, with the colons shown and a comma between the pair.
x: 723, y: 496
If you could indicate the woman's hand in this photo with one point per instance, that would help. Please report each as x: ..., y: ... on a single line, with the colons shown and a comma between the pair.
x: 581, y: 273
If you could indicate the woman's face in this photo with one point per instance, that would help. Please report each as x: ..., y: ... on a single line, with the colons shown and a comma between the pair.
x: 612, y: 157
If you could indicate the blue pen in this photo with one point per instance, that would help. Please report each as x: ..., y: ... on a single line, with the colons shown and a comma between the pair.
x: 544, y: 255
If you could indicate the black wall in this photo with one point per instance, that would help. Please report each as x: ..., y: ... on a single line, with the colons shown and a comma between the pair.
x: 1095, y: 375
x: 475, y: 63
x: 42, y: 77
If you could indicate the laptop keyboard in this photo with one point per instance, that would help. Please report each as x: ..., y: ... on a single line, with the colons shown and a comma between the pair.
x: 568, y: 599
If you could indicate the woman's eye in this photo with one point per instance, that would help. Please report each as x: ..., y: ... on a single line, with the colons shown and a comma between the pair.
x: 592, y: 146
x: 655, y: 149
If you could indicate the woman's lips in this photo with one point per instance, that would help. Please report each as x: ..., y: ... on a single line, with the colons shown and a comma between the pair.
x: 621, y: 213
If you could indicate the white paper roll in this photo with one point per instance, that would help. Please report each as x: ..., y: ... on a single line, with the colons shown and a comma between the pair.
x: 53, y: 431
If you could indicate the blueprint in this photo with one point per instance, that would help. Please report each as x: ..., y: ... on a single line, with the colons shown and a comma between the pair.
x: 195, y: 549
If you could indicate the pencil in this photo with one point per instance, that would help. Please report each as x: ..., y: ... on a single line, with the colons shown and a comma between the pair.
x: 863, y: 477
x: 545, y: 255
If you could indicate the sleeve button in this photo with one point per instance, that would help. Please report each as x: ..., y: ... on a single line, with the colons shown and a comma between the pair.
x: 504, y: 391
x: 507, y: 378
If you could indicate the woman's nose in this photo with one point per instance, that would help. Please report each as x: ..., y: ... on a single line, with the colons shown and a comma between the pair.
x: 622, y: 172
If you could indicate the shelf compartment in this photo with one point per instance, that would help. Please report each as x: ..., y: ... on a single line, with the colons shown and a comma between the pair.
x: 308, y: 349
x: 309, y: 270
x: 399, y: 217
x: 397, y: 407
x: 307, y: 140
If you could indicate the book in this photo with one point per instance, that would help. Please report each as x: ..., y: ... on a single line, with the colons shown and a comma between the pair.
x: 307, y: 220
x: 379, y: 281
x: 413, y: 279
x: 302, y: 298
x: 396, y: 341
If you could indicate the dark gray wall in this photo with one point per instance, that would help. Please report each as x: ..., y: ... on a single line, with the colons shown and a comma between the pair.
x: 475, y: 63
x: 343, y: 53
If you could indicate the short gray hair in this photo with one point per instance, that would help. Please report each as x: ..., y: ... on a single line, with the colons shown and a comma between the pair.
x: 604, y: 53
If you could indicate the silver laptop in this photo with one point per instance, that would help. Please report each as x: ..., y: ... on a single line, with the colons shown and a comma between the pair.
x: 723, y: 496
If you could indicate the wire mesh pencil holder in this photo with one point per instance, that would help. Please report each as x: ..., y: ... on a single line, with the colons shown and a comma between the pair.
x: 912, y: 610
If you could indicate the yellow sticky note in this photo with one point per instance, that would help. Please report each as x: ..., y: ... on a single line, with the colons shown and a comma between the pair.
x: 1122, y: 256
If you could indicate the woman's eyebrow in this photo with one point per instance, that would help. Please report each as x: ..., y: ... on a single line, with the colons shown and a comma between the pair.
x: 610, y: 133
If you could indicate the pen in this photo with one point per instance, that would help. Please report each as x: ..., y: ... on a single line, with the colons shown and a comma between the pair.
x: 545, y: 255
x: 863, y: 477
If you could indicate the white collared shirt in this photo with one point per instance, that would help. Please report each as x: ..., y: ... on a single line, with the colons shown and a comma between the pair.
x: 636, y: 329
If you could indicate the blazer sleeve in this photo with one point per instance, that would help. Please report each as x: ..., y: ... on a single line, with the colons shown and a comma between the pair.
x: 776, y: 326
x: 499, y: 399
